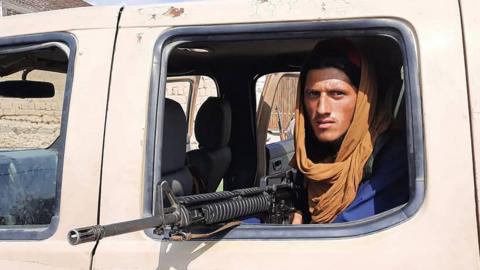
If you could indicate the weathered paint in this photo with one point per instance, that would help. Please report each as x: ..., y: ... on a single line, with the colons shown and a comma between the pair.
x: 174, y: 12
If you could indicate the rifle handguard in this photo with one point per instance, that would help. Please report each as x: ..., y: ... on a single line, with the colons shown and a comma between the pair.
x: 227, y: 210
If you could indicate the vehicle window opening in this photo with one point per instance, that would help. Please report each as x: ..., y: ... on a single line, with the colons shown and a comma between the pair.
x: 32, y: 93
x: 235, y: 65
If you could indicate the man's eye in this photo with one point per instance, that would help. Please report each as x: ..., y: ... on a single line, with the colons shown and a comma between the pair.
x: 312, y: 94
x: 337, y: 93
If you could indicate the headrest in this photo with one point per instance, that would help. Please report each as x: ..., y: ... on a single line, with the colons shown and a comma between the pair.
x: 213, y: 123
x: 174, y: 137
x: 26, y: 89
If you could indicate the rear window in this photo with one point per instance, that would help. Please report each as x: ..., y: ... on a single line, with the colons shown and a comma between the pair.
x: 33, y: 79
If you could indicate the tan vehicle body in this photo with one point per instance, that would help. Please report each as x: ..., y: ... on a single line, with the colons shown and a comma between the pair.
x: 443, y: 234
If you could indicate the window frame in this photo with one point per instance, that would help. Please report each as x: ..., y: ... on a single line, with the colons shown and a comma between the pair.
x: 396, y: 29
x: 63, y: 39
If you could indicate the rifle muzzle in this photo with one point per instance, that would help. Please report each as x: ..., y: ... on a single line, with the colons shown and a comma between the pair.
x: 85, y: 234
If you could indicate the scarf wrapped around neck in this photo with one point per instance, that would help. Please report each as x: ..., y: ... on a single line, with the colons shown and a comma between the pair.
x: 333, y: 186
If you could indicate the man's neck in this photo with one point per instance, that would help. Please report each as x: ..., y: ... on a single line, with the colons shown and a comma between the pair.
x: 322, y: 152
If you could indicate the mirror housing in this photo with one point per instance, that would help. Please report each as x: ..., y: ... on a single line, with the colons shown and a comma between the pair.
x: 26, y: 89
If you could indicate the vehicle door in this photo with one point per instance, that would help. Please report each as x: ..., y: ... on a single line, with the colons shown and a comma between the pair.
x: 436, y: 229
x: 54, y: 75
x: 472, y: 55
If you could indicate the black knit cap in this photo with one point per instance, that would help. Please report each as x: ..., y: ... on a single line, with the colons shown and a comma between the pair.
x: 336, y: 53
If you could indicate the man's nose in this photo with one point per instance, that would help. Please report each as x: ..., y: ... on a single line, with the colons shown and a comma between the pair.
x: 324, y: 106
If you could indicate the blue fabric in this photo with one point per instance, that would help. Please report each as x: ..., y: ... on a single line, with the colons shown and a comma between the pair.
x: 387, y: 188
x: 251, y: 220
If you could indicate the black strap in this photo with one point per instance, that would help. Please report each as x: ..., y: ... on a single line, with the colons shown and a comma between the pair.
x: 379, y: 144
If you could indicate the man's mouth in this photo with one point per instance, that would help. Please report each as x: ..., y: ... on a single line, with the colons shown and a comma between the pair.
x: 324, y: 123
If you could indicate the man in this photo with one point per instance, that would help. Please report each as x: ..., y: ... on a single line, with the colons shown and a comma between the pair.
x: 339, y: 121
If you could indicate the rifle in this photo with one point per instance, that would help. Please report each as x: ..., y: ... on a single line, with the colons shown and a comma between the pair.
x: 272, y: 200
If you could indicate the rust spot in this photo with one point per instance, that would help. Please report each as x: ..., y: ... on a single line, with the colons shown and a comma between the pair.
x: 173, y: 12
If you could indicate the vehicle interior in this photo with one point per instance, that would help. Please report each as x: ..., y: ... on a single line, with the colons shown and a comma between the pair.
x: 35, y: 57
x: 235, y: 65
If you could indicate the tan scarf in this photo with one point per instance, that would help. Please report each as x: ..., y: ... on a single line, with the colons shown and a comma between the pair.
x: 333, y: 186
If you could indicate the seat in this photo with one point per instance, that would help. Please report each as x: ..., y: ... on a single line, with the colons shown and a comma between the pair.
x: 174, y: 170
x: 211, y: 161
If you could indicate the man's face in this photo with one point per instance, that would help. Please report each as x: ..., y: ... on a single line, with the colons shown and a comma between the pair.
x: 329, y: 99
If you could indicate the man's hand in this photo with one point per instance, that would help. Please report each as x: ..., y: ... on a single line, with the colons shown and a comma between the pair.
x: 297, y: 217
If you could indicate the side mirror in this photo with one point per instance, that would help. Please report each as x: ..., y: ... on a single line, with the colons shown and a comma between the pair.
x: 26, y: 89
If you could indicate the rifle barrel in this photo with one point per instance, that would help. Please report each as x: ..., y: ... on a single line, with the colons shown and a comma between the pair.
x: 97, y: 232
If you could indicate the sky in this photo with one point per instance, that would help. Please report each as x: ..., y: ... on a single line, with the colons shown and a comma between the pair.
x: 131, y: 2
